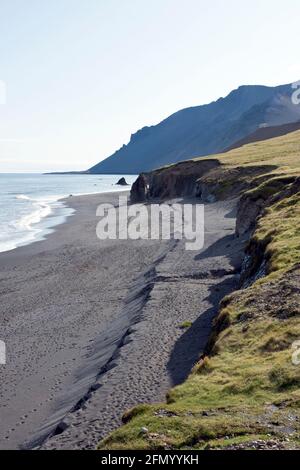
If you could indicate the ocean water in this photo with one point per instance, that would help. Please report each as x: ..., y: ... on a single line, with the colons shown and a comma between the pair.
x: 31, y: 206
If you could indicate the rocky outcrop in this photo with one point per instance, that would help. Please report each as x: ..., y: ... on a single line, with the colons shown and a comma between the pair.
x: 122, y: 182
x: 140, y: 188
x: 173, y: 181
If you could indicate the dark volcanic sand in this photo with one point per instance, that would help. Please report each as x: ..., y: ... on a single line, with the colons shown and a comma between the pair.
x: 92, y: 326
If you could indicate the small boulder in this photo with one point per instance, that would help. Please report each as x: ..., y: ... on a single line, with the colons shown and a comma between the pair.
x: 122, y: 182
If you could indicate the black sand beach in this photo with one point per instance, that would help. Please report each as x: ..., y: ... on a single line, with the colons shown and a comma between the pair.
x: 93, y: 327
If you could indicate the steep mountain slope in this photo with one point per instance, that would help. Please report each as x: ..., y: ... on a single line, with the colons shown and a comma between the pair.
x: 203, y: 130
x: 265, y: 133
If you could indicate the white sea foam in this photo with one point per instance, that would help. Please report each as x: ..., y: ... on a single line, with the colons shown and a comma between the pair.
x: 31, y: 206
x: 40, y: 211
x: 23, y: 197
x: 34, y: 225
x: 30, y: 225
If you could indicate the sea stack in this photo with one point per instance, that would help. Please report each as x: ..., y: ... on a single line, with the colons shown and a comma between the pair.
x: 122, y: 182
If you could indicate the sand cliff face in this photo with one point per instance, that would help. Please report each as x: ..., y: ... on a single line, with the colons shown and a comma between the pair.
x: 207, y: 180
x: 210, y: 181
x: 252, y: 206
x: 174, y: 181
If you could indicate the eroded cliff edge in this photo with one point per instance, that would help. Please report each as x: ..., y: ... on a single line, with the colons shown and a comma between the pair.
x: 243, y: 393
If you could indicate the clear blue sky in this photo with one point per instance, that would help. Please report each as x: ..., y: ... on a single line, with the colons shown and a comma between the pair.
x: 82, y: 75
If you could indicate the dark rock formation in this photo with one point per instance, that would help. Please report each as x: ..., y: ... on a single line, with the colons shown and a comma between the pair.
x: 139, y: 189
x: 122, y: 182
x: 169, y: 182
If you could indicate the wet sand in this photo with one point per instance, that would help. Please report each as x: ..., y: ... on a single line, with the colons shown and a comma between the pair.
x: 93, y: 327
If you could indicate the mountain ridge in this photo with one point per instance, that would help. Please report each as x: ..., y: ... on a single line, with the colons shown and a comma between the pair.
x: 202, y: 130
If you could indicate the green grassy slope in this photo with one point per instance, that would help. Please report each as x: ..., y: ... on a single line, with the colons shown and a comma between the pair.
x: 245, y: 392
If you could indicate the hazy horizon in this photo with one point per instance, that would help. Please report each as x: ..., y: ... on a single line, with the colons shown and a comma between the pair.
x: 80, y: 79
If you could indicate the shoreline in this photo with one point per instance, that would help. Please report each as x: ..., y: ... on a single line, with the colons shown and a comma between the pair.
x: 57, y: 216
x: 80, y: 331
